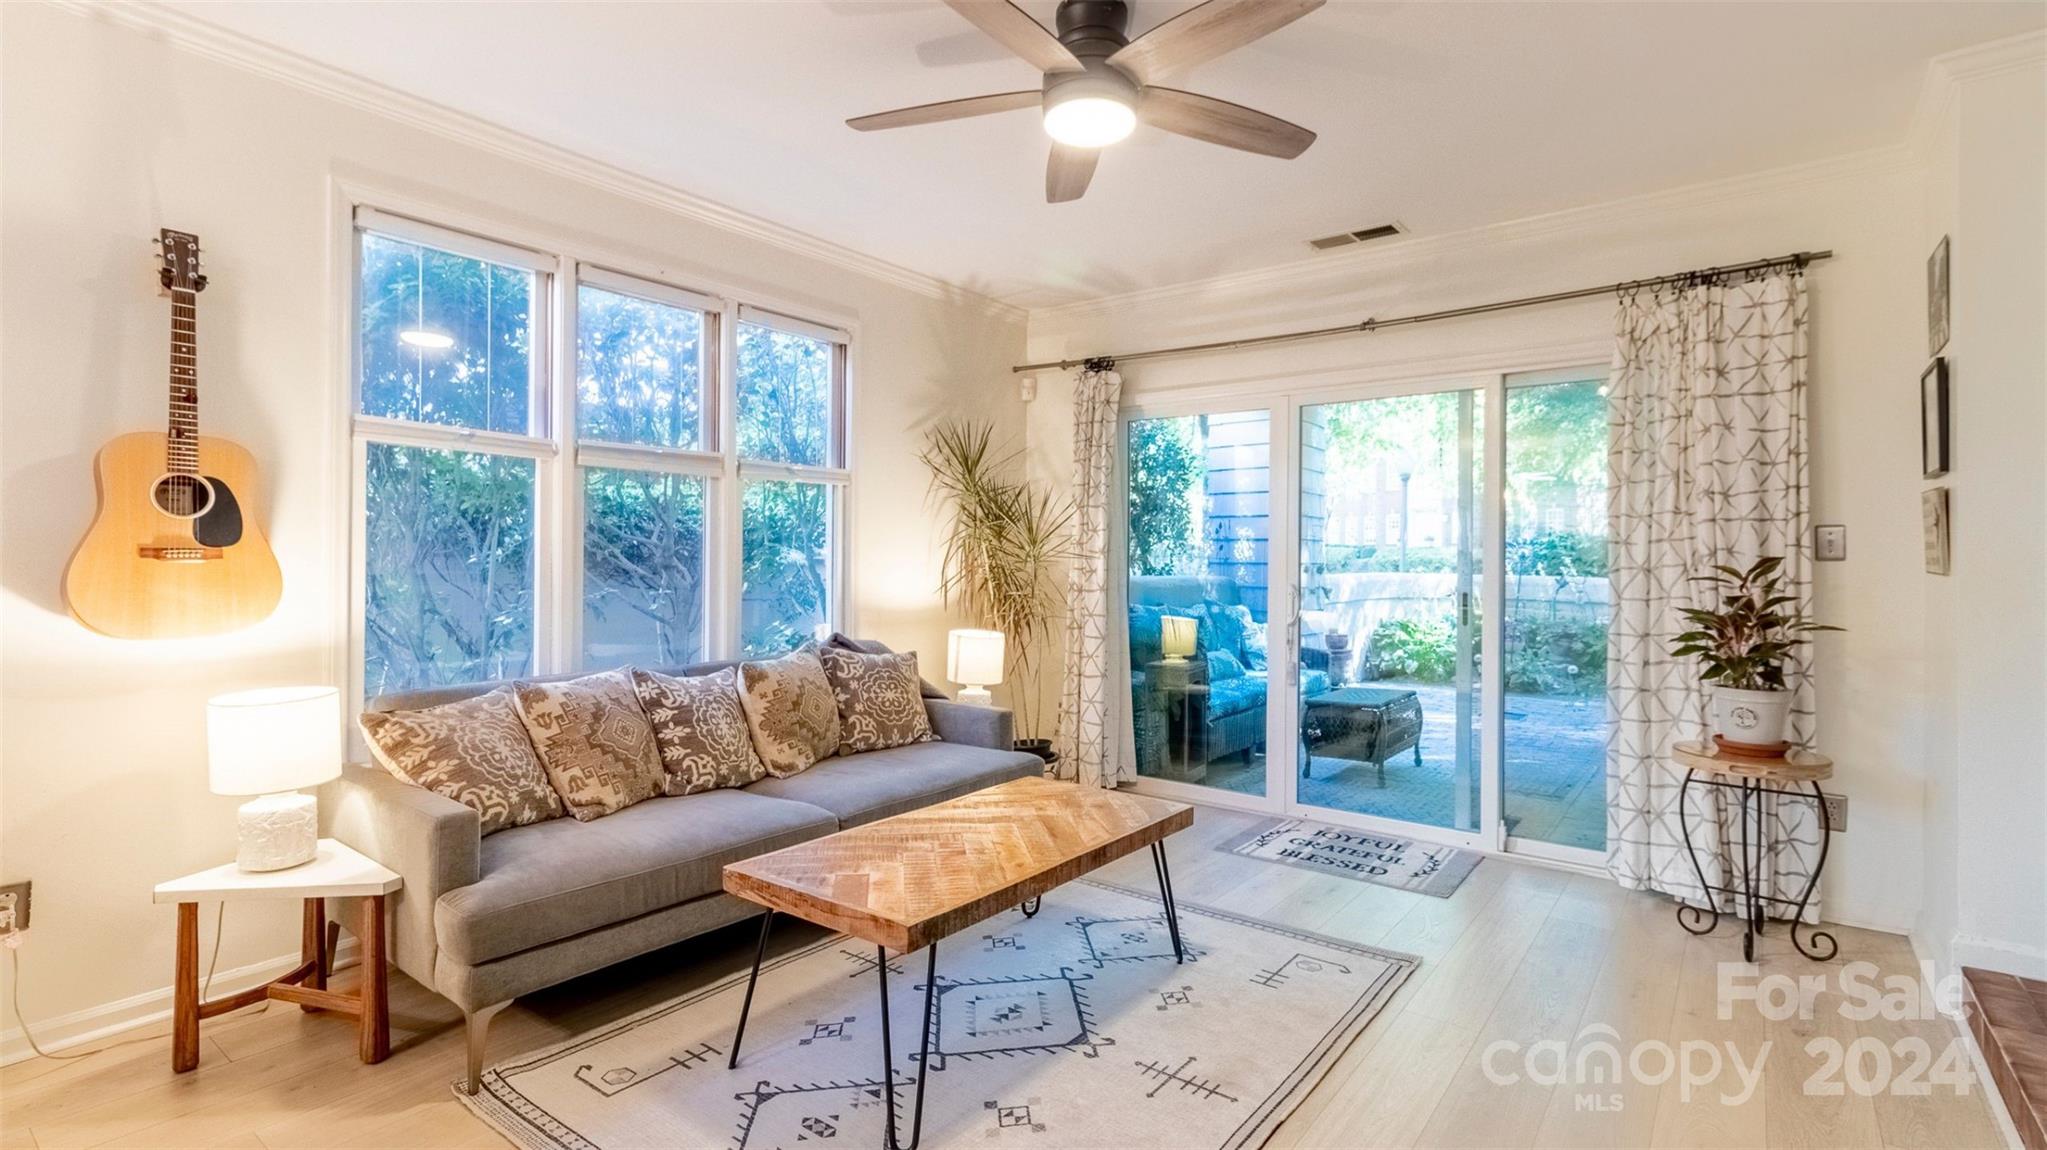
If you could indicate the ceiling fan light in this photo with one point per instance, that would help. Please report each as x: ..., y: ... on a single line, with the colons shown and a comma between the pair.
x: 1089, y: 121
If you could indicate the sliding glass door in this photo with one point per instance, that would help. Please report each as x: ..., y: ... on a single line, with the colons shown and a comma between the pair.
x: 1390, y: 518
x: 1556, y: 610
x: 1198, y: 596
x: 1428, y: 655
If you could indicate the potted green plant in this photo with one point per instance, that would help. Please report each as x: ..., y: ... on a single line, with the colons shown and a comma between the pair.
x: 1742, y: 647
x: 1008, y: 541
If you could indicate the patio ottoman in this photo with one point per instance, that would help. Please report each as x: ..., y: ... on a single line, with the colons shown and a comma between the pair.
x: 1365, y: 724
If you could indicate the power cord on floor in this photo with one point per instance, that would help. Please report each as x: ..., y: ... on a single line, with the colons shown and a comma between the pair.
x: 13, y: 944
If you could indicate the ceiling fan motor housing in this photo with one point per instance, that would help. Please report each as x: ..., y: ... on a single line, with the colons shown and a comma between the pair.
x: 1093, y: 30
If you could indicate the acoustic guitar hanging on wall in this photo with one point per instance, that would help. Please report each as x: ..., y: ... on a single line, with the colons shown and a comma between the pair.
x: 175, y: 549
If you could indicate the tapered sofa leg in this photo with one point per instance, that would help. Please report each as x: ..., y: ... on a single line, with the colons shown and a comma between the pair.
x: 478, y: 1022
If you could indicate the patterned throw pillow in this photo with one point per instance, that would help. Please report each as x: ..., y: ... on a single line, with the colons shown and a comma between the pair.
x: 700, y: 729
x: 1254, y: 637
x: 594, y: 740
x: 880, y: 703
x: 790, y: 711
x: 474, y: 751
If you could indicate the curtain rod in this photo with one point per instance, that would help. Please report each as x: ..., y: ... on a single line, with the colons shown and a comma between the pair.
x: 1363, y: 327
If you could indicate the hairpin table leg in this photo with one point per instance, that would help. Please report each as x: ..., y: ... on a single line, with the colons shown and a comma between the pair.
x: 746, y: 1007
x: 888, y: 1062
x: 1165, y: 875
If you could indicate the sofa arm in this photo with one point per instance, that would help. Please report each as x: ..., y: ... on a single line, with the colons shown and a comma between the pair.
x: 971, y: 725
x: 433, y: 842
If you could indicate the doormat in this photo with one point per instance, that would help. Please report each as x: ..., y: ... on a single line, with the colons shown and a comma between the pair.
x: 1424, y: 868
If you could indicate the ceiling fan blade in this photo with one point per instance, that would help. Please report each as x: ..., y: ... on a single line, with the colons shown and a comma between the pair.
x: 1068, y: 171
x: 1221, y: 122
x: 948, y: 110
x: 1204, y: 32
x: 1014, y: 29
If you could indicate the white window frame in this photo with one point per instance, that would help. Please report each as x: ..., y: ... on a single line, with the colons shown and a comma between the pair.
x: 553, y: 442
x: 836, y: 475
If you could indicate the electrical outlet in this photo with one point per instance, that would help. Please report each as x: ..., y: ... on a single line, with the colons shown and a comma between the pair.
x: 14, y: 907
x: 1837, y: 812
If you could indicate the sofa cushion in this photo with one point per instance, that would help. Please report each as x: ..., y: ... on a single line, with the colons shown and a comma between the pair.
x: 551, y: 880
x: 700, y: 729
x: 880, y: 705
x: 861, y: 788
x: 1234, y: 696
x: 474, y: 751
x: 845, y: 642
x: 790, y: 710
x: 1223, y: 665
x: 1225, y: 630
x: 594, y: 740
x: 1253, y: 636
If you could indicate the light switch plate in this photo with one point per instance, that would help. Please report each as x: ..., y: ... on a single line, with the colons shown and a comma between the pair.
x: 1830, y: 543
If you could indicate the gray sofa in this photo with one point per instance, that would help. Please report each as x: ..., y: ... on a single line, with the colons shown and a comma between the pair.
x: 485, y: 920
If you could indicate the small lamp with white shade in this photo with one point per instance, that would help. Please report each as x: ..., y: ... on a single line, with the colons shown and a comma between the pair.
x: 1177, y: 636
x: 973, y: 659
x: 269, y: 743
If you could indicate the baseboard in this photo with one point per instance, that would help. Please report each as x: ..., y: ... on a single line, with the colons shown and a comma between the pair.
x: 112, y: 1019
x: 1927, y: 954
x: 1993, y: 954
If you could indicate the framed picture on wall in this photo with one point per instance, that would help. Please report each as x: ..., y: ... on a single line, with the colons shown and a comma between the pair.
x: 1936, y: 299
x: 1933, y: 517
x: 1933, y: 429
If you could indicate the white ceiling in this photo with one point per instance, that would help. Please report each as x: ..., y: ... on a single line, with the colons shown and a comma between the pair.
x: 1442, y: 116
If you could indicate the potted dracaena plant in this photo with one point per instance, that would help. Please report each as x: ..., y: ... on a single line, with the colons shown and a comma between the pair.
x: 1008, y: 541
x: 1742, y: 647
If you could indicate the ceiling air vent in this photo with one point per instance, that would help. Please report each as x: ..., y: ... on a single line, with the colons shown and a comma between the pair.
x: 1345, y: 239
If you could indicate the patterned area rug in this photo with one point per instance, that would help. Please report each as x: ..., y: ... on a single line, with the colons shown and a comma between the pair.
x: 1071, y: 1029
x: 1423, y: 868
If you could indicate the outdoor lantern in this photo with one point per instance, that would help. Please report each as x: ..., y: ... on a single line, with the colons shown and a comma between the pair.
x: 973, y: 659
x: 1176, y: 636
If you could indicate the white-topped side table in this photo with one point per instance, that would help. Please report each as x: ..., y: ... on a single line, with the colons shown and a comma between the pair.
x: 337, y: 871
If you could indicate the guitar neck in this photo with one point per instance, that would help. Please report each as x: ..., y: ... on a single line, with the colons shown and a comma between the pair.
x: 182, y: 452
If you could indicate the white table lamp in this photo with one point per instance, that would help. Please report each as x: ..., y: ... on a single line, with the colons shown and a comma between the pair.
x: 269, y: 743
x: 973, y: 659
x: 1177, y: 636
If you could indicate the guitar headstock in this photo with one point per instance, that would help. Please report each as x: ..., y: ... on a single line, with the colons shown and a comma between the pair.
x: 180, y: 270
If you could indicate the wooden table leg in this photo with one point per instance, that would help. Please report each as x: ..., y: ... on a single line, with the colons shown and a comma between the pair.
x: 376, y: 1007
x: 185, y: 992
x: 312, y: 946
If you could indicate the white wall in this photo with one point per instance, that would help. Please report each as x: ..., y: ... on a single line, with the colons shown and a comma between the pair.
x: 1866, y: 351
x: 110, y: 134
x: 1986, y: 739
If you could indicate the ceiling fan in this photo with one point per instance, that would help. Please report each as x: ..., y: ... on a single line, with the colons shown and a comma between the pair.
x: 1099, y: 83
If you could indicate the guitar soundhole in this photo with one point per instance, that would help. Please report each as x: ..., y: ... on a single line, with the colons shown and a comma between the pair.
x: 182, y: 496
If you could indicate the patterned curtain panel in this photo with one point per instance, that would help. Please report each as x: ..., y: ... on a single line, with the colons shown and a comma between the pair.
x: 1707, y: 463
x: 1086, y: 692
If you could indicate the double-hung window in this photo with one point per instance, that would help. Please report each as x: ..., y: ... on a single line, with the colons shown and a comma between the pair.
x: 559, y: 467
x: 790, y: 430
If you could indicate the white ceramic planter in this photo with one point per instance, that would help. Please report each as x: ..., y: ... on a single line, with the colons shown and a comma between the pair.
x: 1753, y: 718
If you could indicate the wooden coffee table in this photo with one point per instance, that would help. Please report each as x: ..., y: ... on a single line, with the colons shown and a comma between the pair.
x: 905, y: 882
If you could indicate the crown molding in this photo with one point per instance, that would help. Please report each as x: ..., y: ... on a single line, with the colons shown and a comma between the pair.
x: 201, y: 38
x: 1346, y: 266
x: 1946, y: 73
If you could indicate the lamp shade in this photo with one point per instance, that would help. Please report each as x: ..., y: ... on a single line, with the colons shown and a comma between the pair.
x: 271, y: 740
x: 974, y: 658
x: 1177, y: 634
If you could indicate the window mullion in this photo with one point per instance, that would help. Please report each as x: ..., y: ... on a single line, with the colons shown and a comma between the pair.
x: 729, y: 492
x: 563, y: 544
